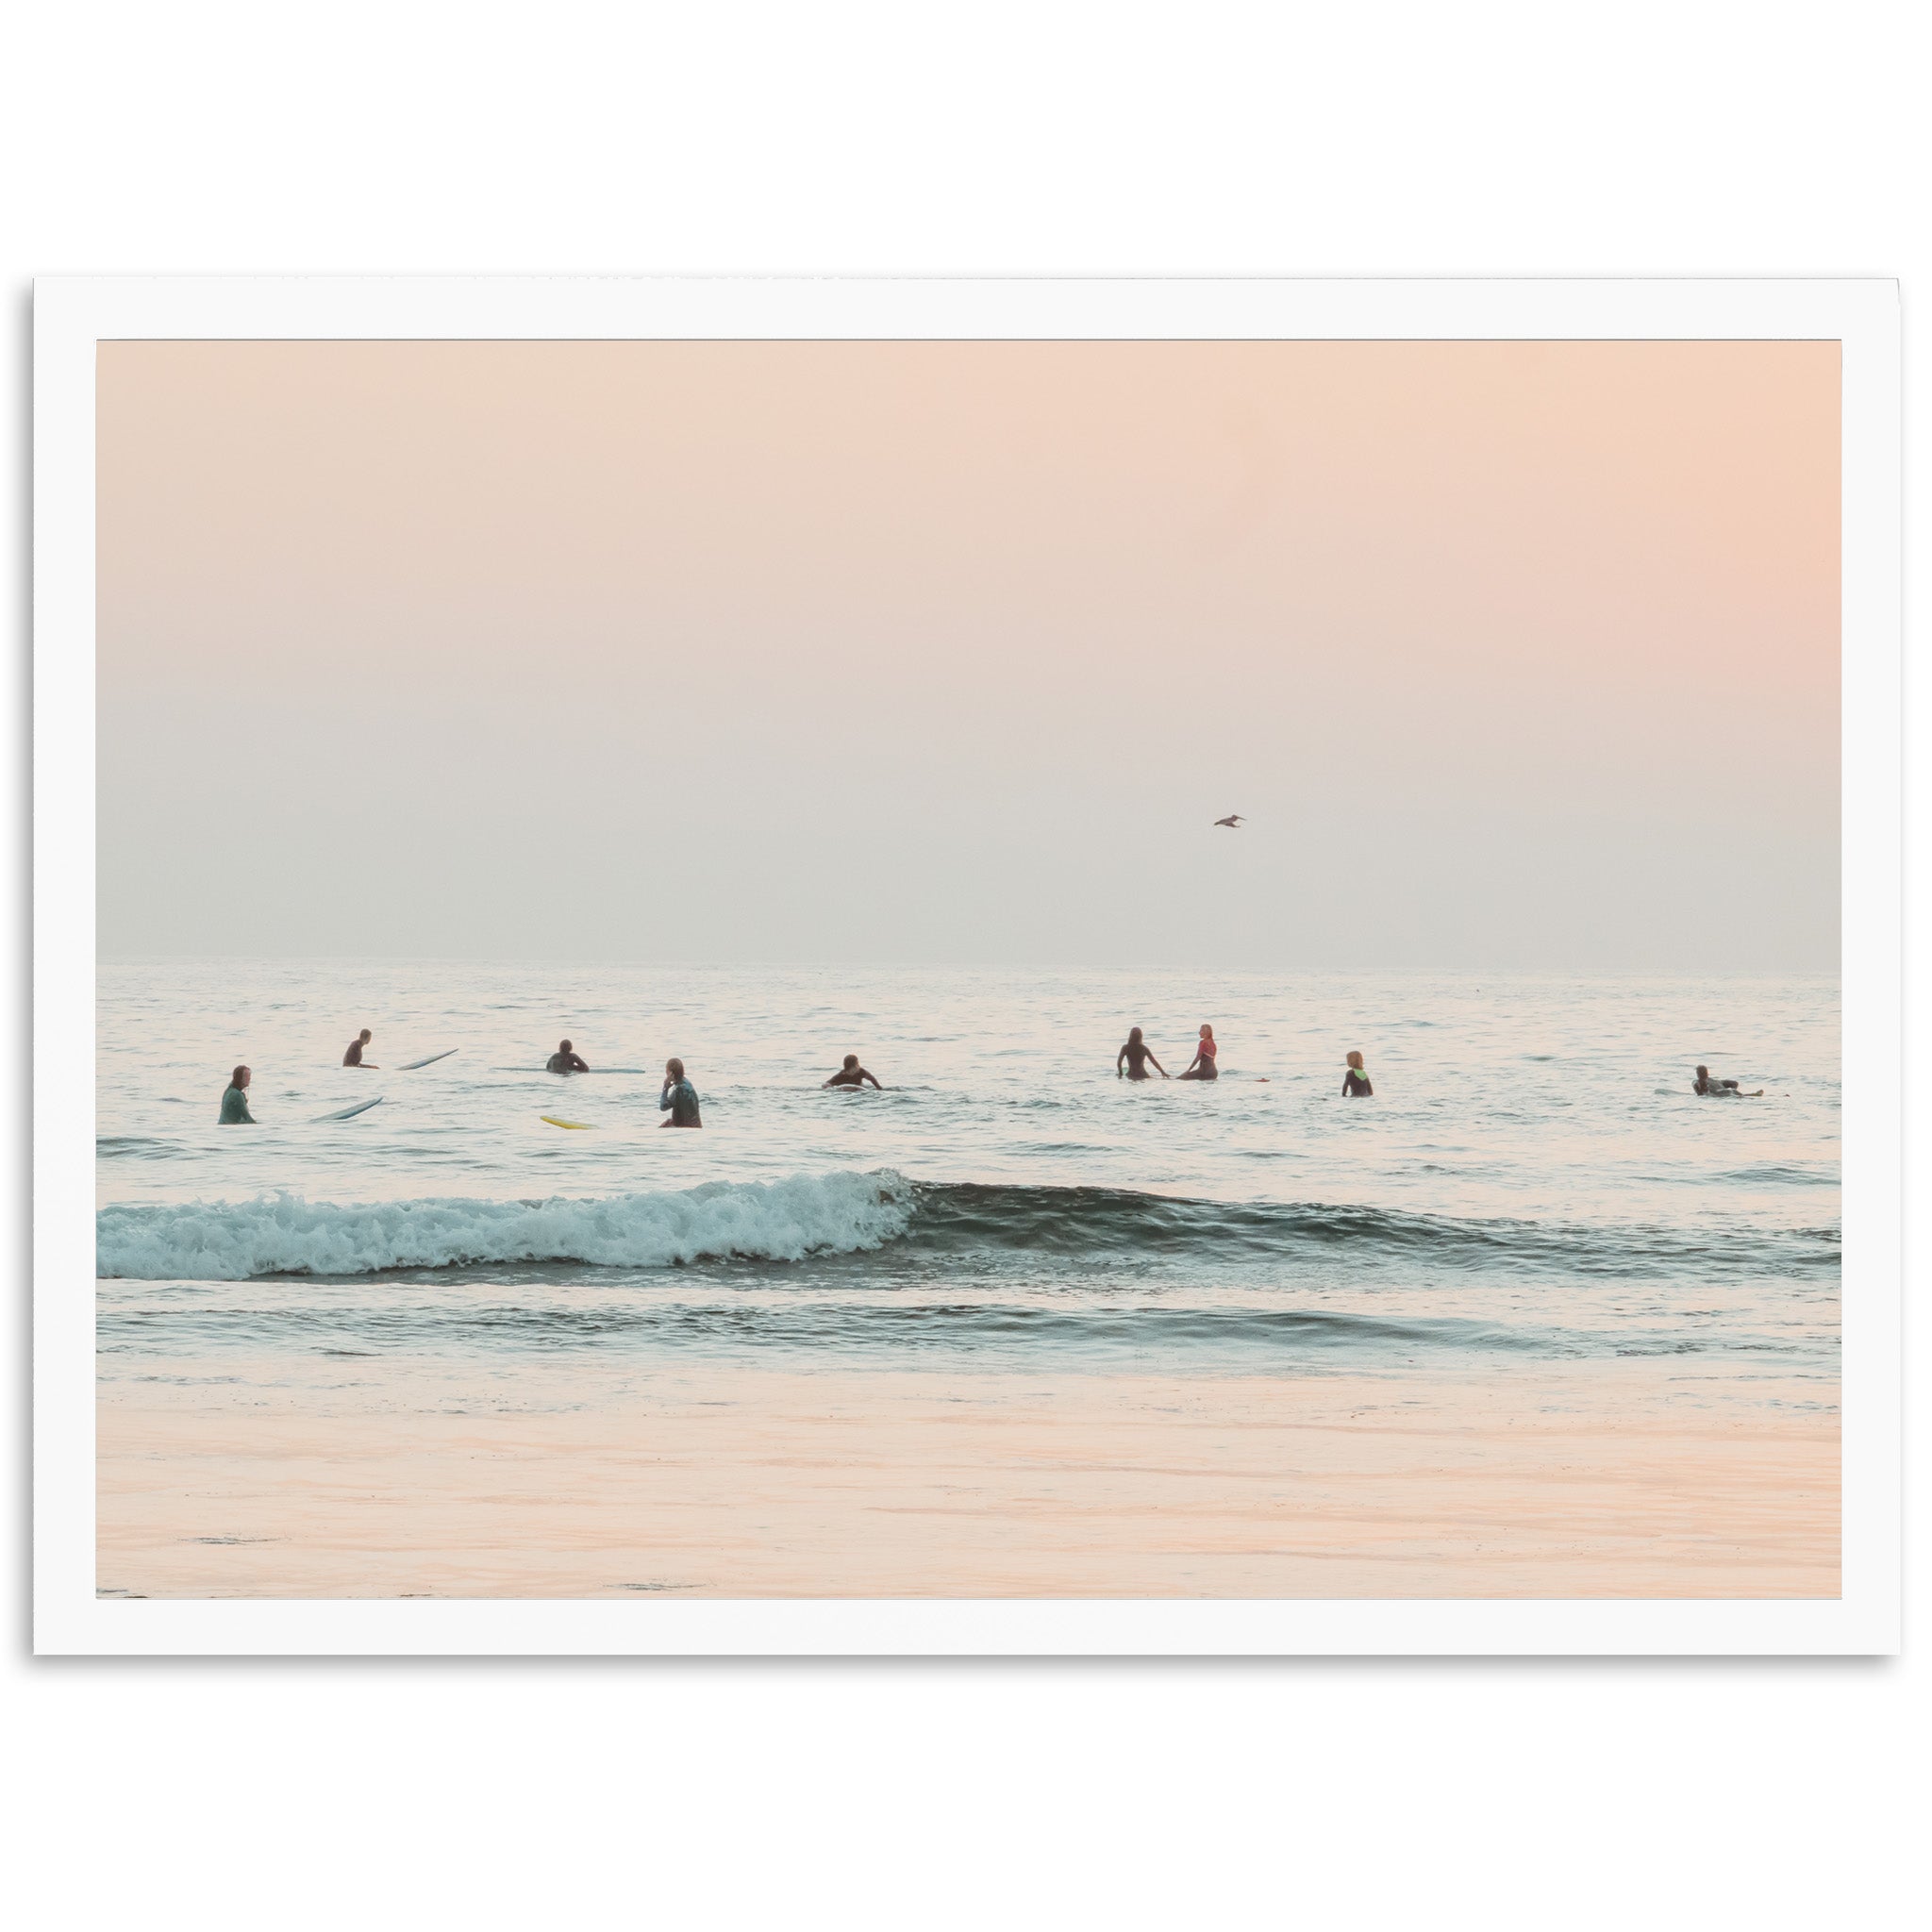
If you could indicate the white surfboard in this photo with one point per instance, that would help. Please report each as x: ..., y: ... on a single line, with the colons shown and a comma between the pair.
x: 411, y: 1066
x: 348, y: 1113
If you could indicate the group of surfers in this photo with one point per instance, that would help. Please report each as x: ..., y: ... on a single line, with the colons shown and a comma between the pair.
x: 1135, y: 1057
x: 678, y: 1098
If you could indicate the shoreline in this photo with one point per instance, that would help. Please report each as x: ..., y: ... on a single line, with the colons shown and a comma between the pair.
x: 722, y: 1479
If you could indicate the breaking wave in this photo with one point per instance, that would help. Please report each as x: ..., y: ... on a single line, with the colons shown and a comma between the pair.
x: 845, y: 1213
x: 283, y: 1234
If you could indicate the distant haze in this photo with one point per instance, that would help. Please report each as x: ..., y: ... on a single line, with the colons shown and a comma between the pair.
x: 1512, y: 654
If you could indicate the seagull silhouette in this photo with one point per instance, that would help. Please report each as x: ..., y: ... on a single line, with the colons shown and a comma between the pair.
x: 1232, y: 821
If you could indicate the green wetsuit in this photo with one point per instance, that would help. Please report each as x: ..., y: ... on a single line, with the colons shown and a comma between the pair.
x: 235, y: 1110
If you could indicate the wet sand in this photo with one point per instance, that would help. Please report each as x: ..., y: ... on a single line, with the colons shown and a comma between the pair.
x: 743, y: 1482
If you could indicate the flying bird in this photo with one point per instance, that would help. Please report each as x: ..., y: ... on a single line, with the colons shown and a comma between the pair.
x: 1232, y: 821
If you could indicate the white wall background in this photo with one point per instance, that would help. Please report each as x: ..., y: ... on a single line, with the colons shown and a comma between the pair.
x: 1039, y: 138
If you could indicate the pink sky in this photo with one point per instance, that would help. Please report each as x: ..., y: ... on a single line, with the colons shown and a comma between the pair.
x: 1513, y: 654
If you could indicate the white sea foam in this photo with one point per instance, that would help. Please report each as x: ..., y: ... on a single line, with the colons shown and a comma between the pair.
x: 283, y: 1234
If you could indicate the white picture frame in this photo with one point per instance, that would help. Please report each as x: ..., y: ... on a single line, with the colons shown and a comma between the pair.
x: 73, y: 314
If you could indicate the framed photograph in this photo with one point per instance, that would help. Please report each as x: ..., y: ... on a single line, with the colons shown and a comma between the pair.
x: 941, y: 966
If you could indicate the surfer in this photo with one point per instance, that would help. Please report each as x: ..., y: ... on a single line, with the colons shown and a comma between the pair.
x: 354, y: 1057
x: 1202, y: 1067
x: 235, y: 1101
x: 679, y: 1098
x: 565, y: 1061
x: 852, y: 1074
x: 1721, y: 1090
x: 1137, y: 1053
x: 1355, y: 1083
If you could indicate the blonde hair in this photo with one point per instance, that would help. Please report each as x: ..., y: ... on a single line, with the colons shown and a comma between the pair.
x: 1206, y: 1031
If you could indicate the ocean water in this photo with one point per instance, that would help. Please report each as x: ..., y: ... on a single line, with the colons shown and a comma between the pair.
x: 1534, y: 1181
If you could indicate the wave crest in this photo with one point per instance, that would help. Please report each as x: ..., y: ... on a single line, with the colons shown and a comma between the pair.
x: 283, y: 1234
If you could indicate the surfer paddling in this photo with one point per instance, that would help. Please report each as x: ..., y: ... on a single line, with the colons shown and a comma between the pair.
x: 1134, y: 1057
x: 235, y: 1101
x: 1721, y: 1090
x: 679, y: 1098
x: 566, y: 1061
x: 354, y: 1057
x: 852, y: 1074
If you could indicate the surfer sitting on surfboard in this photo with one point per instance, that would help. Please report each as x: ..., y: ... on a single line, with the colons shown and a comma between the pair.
x: 1136, y: 1054
x: 679, y: 1098
x: 1202, y: 1067
x: 564, y: 1061
x: 235, y: 1101
x: 354, y: 1057
x: 852, y: 1074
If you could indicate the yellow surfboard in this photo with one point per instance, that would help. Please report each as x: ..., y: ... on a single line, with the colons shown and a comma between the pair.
x: 578, y: 1126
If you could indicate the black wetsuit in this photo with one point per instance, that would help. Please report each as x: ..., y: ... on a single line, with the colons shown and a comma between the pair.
x: 566, y: 1064
x: 354, y: 1057
x: 1720, y: 1089
x: 1355, y: 1085
x: 1137, y: 1052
